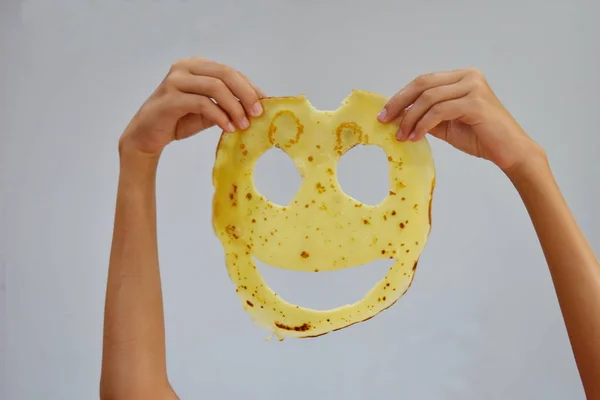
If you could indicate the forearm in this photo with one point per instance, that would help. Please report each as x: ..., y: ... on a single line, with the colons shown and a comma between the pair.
x: 134, y: 340
x: 574, y: 268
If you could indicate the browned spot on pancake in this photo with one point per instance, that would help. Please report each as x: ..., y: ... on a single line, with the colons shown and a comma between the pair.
x: 347, y: 125
x: 273, y: 127
x: 231, y: 230
x: 431, y: 198
x: 314, y: 336
x: 300, y: 328
x: 249, y: 303
x: 354, y: 323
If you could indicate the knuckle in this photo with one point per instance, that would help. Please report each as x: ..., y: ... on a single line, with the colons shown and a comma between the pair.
x: 477, y: 106
x: 224, y: 71
x: 203, y: 103
x: 428, y: 96
x: 476, y: 77
x: 474, y: 72
x: 479, y: 85
x: 421, y: 81
x: 424, y: 80
x: 215, y: 85
x: 174, y: 79
x: 161, y: 90
x: 194, y: 61
x: 436, y: 111
x: 197, y: 59
x: 227, y: 71
x: 182, y: 63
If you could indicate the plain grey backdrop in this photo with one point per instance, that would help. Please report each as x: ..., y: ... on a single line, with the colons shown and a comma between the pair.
x: 481, y: 320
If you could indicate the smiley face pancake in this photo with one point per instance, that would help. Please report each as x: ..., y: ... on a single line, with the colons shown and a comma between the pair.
x: 322, y: 228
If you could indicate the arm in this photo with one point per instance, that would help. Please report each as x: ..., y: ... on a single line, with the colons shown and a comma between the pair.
x: 134, y: 362
x: 196, y: 94
x: 574, y: 268
x: 460, y: 108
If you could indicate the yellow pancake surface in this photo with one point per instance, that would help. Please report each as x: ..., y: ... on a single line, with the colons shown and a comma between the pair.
x: 322, y: 228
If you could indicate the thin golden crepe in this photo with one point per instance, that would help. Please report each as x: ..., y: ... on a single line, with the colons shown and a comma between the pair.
x: 322, y: 229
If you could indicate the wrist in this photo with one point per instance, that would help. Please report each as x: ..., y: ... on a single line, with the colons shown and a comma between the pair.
x: 531, y: 170
x: 136, y: 165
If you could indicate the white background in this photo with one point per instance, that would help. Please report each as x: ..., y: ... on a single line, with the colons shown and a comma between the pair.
x: 481, y: 320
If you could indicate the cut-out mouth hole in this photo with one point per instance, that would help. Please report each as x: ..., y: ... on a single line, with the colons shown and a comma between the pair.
x: 324, y: 290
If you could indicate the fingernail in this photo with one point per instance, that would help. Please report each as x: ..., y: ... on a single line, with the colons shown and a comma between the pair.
x: 382, y: 114
x: 244, y: 123
x: 256, y: 109
x: 400, y: 135
x: 230, y: 127
x: 412, y: 136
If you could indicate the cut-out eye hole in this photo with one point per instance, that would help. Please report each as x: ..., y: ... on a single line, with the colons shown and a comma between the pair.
x: 363, y: 174
x: 276, y: 177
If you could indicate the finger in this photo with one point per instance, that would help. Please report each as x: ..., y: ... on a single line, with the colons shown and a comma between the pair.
x: 234, y: 81
x: 187, y: 103
x: 425, y: 101
x: 398, y: 120
x: 440, y: 112
x: 259, y: 91
x: 218, y: 90
x: 414, y: 89
x: 215, y: 114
